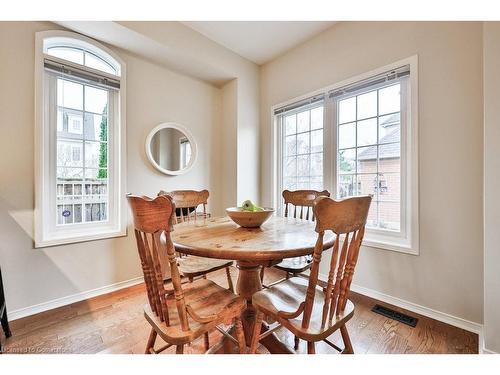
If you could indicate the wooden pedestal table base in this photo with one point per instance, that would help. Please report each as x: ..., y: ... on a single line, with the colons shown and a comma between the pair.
x: 252, y: 248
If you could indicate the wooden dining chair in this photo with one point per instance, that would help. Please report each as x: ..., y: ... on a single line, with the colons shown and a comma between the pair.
x: 186, y: 204
x: 299, y: 205
x: 178, y: 316
x: 309, y: 311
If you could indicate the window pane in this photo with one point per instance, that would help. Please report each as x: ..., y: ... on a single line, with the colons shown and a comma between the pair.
x: 389, y: 187
x: 347, y: 135
x: 367, y: 132
x: 290, y: 183
x: 70, y: 54
x: 389, y: 158
x: 317, y: 164
x: 303, y: 122
x: 96, y: 100
x: 367, y: 184
x: 389, y: 99
x: 389, y: 128
x: 347, y: 161
x: 303, y: 143
x: 69, y: 94
x: 95, y: 155
x: 290, y: 168
x: 291, y: 145
x: 69, y: 154
x: 367, y: 105
x: 367, y: 159
x: 290, y: 124
x: 346, y: 186
x: 317, y: 141
x: 97, y: 63
x: 94, y: 174
x: 317, y: 118
x: 303, y: 183
x: 389, y: 215
x: 96, y: 127
x: 303, y: 165
x: 347, y: 110
x: 69, y: 174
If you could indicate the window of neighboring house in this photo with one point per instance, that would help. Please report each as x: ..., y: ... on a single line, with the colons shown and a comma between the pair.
x: 80, y: 182
x: 371, y: 150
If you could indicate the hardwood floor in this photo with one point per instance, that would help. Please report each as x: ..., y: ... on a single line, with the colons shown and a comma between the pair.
x: 114, y: 323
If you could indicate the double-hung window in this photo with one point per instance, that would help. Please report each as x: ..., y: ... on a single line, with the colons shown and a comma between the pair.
x: 358, y: 138
x: 79, y: 140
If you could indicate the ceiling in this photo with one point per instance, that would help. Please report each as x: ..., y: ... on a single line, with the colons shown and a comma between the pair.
x: 259, y: 41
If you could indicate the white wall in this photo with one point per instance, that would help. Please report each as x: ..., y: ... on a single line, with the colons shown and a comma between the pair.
x: 492, y: 186
x: 154, y: 95
x: 447, y: 276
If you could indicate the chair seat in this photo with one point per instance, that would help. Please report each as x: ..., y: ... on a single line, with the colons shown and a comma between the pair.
x: 192, y: 266
x: 206, y: 298
x: 287, y: 296
x: 295, y: 265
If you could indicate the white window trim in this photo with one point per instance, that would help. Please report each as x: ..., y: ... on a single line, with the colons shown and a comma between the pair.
x: 373, y: 238
x: 42, y: 236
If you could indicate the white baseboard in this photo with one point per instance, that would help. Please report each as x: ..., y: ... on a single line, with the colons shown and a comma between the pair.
x: 49, y: 305
x: 422, y: 310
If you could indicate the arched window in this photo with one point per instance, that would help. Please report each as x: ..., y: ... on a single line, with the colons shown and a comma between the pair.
x: 79, y: 134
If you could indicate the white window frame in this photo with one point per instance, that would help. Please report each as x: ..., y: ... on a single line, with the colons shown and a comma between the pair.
x: 46, y: 233
x: 408, y: 242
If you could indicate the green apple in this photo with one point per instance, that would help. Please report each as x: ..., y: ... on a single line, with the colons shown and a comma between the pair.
x: 248, y: 205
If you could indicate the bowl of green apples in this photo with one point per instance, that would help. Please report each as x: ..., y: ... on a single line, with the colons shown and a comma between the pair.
x: 249, y: 215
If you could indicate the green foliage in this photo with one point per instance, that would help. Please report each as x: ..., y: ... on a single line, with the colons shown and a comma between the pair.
x: 103, y: 151
x: 344, y: 165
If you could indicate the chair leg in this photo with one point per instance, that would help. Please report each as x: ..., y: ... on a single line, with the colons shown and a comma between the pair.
x: 256, y: 332
x: 207, y: 341
x: 240, y: 335
x: 347, y: 341
x: 179, y: 349
x: 311, y: 349
x: 296, y: 342
x: 229, y: 280
x: 151, y: 341
x: 287, y: 276
x: 262, y: 274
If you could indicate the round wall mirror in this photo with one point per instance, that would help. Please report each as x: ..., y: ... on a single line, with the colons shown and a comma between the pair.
x: 171, y: 149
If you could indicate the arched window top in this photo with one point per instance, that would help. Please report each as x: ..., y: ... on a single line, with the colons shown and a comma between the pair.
x: 83, y: 52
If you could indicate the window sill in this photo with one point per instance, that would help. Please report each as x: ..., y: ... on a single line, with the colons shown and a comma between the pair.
x: 400, y: 245
x: 66, y: 240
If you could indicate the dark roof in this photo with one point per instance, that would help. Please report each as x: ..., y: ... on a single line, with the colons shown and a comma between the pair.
x: 390, y: 150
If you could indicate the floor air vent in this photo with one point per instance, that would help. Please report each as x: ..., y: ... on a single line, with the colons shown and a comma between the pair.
x: 400, y: 317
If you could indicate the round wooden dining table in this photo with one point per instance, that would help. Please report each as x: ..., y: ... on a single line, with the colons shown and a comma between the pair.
x: 252, y: 248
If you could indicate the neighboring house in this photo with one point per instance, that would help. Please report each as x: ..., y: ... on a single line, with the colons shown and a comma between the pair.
x: 384, y: 180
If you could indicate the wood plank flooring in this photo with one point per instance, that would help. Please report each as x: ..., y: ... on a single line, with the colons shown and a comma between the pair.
x: 114, y: 323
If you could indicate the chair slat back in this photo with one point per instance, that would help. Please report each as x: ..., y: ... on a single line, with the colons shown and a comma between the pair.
x: 153, y: 219
x: 301, y: 202
x: 187, y: 203
x: 347, y: 219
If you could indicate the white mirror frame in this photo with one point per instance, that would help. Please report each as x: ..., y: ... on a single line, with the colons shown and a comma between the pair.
x: 182, y: 129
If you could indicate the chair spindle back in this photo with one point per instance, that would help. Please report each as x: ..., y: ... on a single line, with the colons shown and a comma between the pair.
x: 187, y: 203
x: 153, y: 219
x: 347, y: 219
x: 302, y: 201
